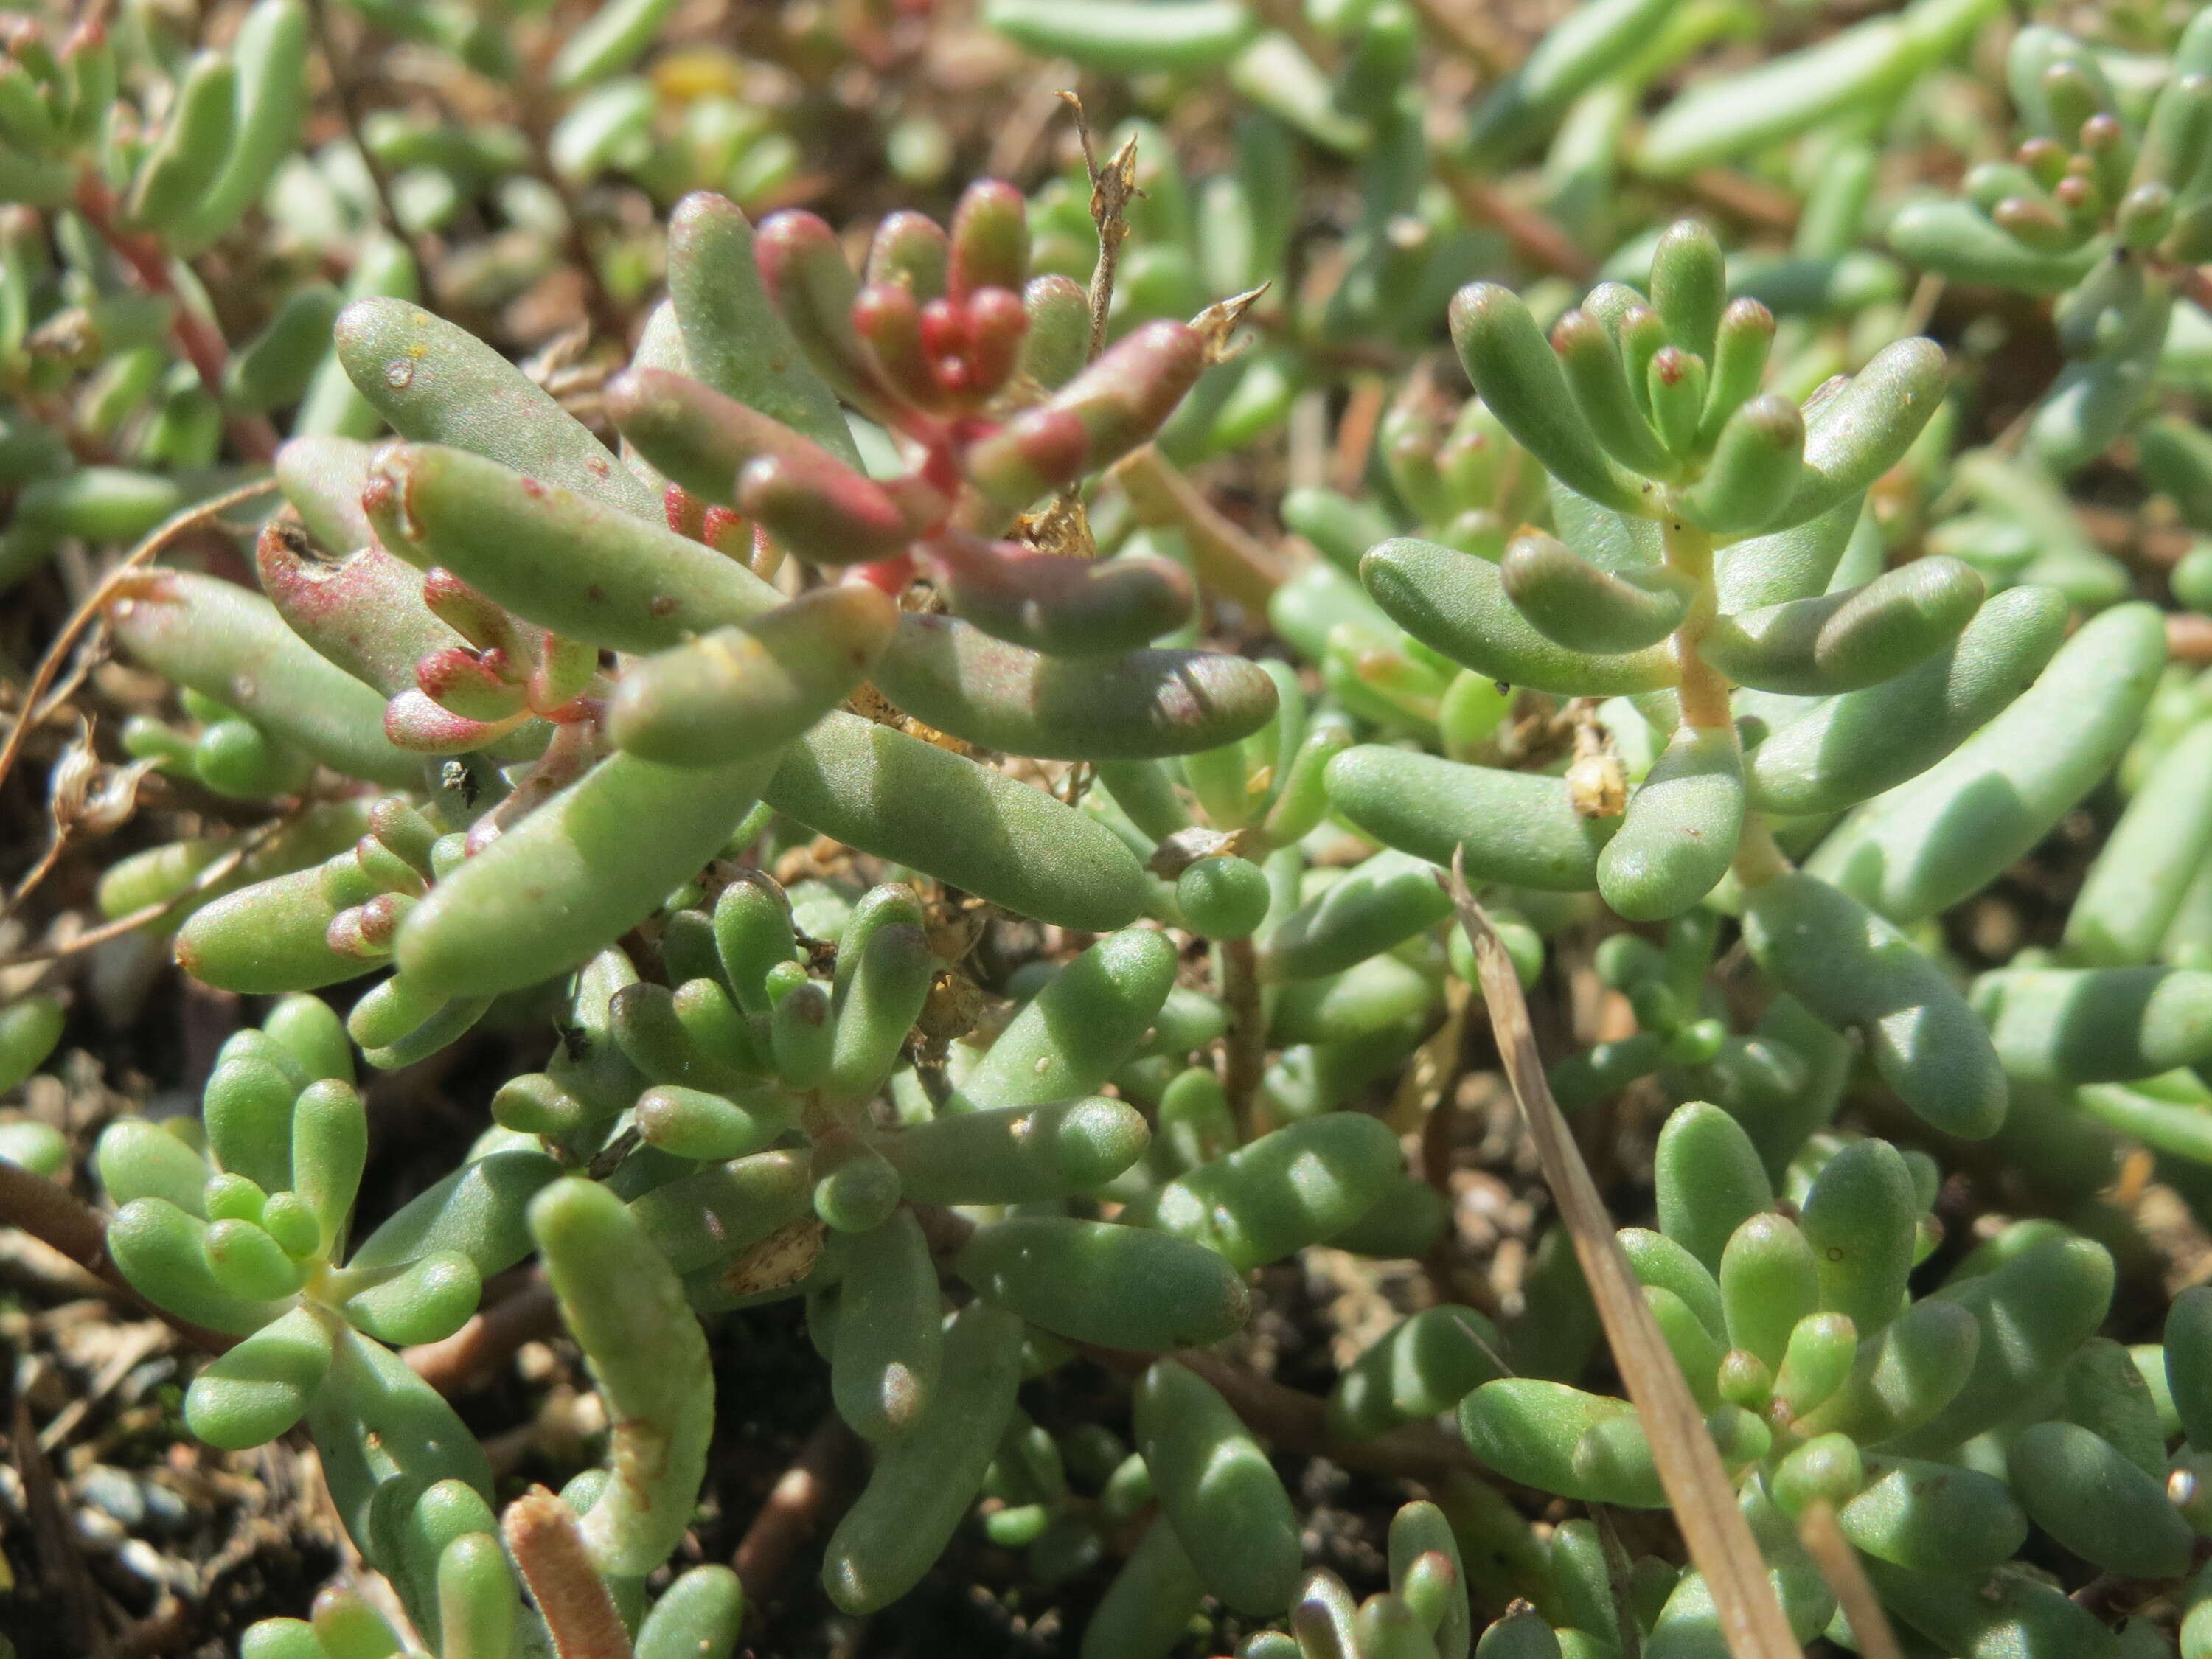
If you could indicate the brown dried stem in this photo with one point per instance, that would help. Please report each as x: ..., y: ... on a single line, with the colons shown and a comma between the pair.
x: 54, y: 1216
x: 49, y: 665
x: 1697, y: 1485
x: 1228, y: 559
x: 1535, y: 237
x: 1244, y: 1048
x: 490, y: 1339
x: 802, y: 1499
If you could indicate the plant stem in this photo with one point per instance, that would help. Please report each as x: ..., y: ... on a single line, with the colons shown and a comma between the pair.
x: 799, y: 1503
x: 51, y: 1214
x: 199, y: 339
x: 1244, y: 1051
x: 489, y: 1340
x: 1703, y: 693
x: 1758, y: 859
x: 1230, y: 560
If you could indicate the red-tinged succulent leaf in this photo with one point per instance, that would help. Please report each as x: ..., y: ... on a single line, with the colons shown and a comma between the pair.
x: 364, y: 613
x: 990, y: 240
x: 462, y: 683
x: 413, y: 722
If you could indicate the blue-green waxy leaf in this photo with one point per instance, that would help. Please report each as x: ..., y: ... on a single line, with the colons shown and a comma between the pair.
x: 1016, y: 1154
x: 270, y: 54
x: 253, y: 1394
x: 2079, y: 1488
x: 1913, y: 1368
x: 1847, y: 640
x: 1081, y: 1027
x: 228, y: 643
x: 162, y: 1251
x: 1856, y: 972
x: 1680, y: 831
x: 1923, y: 847
x: 1865, y: 428
x: 1293, y: 1186
x: 2034, y: 1309
x: 1134, y: 706
x: 1457, y: 603
x: 736, y: 691
x: 575, y: 875
x: 1150, y: 1603
x: 1372, y: 907
x: 1710, y: 1182
x: 1933, y: 1517
x: 1540, y: 1434
x: 138, y: 1158
x: 1958, y: 239
x: 1849, y: 748
x: 1118, y: 37
x: 626, y: 1307
x: 565, y: 558
x: 1860, y: 1219
x: 1731, y: 115
x: 882, y: 792
x: 2097, y: 1024
x: 1582, y: 608
x: 1514, y: 370
x: 479, y: 1211
x: 1586, y: 45
x: 1426, y: 1366
x: 190, y: 151
x: 884, y: 1370
x: 2131, y: 893
x: 1218, y: 1490
x: 1520, y: 827
x: 437, y: 383
x: 2007, y: 1612
x: 924, y: 1482
x: 1095, y: 1281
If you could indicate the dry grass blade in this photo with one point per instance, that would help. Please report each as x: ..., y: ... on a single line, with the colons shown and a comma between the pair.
x: 1839, y: 1564
x: 50, y: 666
x: 1703, y: 1498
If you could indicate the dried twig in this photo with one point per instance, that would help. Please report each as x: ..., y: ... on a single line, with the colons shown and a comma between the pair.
x: 1467, y: 28
x: 1111, y: 188
x: 87, y: 613
x: 379, y: 178
x: 49, y: 1213
x: 489, y: 1340
x: 1230, y: 560
x: 1296, y: 1422
x: 1244, y: 1048
x: 1534, y: 238
x: 2189, y: 637
x: 221, y: 870
x: 60, y: 1562
x: 1705, y: 1502
x: 803, y: 1497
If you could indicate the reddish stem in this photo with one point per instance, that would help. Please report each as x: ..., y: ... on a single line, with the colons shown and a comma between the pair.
x: 201, y: 343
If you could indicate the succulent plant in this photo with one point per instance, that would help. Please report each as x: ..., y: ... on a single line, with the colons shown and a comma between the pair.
x: 912, y: 851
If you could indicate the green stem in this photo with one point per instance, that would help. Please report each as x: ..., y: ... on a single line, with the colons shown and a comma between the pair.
x: 1702, y: 691
x: 1758, y: 859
